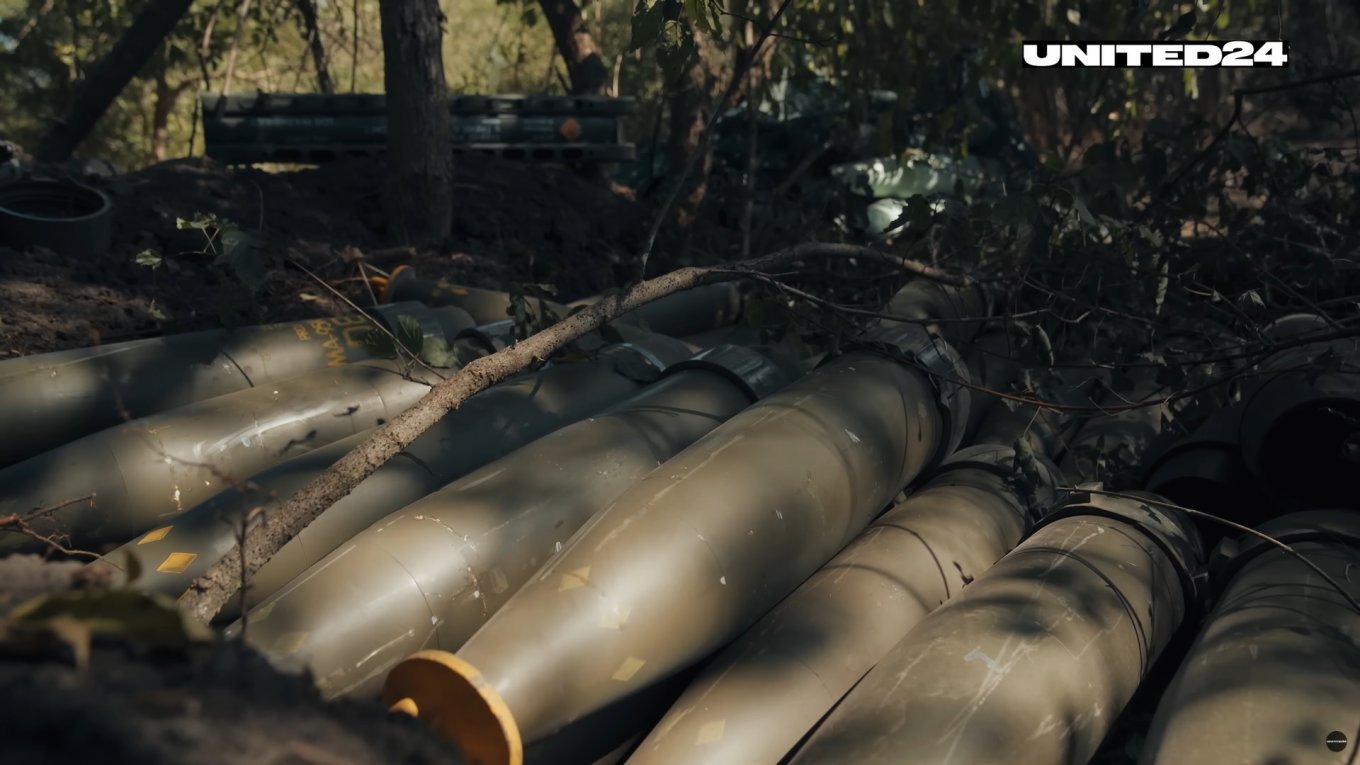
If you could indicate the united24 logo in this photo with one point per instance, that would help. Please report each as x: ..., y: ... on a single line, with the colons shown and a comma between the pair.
x: 1042, y: 53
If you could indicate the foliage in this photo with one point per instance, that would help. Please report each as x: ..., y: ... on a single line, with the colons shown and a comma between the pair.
x: 240, y: 261
x: 45, y: 46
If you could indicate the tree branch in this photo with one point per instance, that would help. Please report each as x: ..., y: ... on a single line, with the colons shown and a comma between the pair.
x: 206, y: 596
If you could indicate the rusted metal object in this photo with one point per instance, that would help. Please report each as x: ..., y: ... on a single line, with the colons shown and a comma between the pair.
x: 698, y: 550
x: 485, y: 427
x: 144, y: 473
x: 53, y: 398
x: 1276, y: 669
x: 1034, y: 660
x: 762, y: 694
x: 431, y: 574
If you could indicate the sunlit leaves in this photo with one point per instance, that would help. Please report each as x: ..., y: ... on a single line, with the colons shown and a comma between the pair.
x: 656, y: 25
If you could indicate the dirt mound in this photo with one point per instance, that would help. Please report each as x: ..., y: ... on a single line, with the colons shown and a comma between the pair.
x: 513, y: 222
x: 219, y: 705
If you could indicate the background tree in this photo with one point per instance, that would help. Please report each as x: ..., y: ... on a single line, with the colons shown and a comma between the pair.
x: 578, y: 47
x: 419, y: 194
x: 307, y: 15
x: 108, y: 77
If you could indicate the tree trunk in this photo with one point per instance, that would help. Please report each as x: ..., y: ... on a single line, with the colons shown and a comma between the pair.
x: 167, y: 96
x: 694, y: 100
x: 307, y: 10
x: 108, y: 76
x: 579, y: 48
x: 691, y: 106
x: 419, y: 200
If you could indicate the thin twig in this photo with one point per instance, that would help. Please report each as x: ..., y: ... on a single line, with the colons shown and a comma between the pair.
x: 19, y: 524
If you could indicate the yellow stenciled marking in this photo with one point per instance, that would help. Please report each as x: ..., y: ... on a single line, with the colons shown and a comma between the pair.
x: 335, y: 353
x: 290, y: 642
x: 155, y: 535
x: 578, y: 578
x: 263, y: 612
x: 615, y: 618
x: 176, y: 562
x: 628, y: 668
x: 710, y: 732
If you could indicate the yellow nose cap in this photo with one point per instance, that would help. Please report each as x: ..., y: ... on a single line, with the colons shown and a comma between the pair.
x: 385, y: 294
x: 451, y: 696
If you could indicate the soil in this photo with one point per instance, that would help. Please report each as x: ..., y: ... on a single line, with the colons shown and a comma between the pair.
x: 218, y: 704
x: 209, y: 703
x: 514, y: 223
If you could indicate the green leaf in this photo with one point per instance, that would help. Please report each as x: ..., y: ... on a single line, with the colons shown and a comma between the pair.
x: 200, y: 222
x: 438, y: 353
x: 1251, y: 303
x: 635, y: 369
x: 149, y: 258
x: 610, y: 334
x: 590, y: 342
x: 410, y: 334
x: 1181, y: 28
x: 646, y: 25
x: 379, y: 345
x: 245, y: 254
x: 674, y: 49
x: 698, y: 11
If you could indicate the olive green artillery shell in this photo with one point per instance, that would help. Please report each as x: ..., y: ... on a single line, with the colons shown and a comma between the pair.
x: 51, y: 399
x: 430, y: 574
x: 485, y: 306
x: 1277, y: 667
x: 1032, y: 662
x: 144, y: 473
x: 991, y: 367
x: 682, y: 313
x: 1110, y: 448
x: 924, y: 300
x: 706, y: 543
x: 690, y: 312
x: 763, y: 693
x: 485, y: 427
x: 1301, y: 425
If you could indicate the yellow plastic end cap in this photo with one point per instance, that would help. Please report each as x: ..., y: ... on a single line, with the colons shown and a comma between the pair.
x: 385, y: 294
x: 451, y: 696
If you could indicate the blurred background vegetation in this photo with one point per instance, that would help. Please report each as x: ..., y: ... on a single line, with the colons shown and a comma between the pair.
x: 923, y: 51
